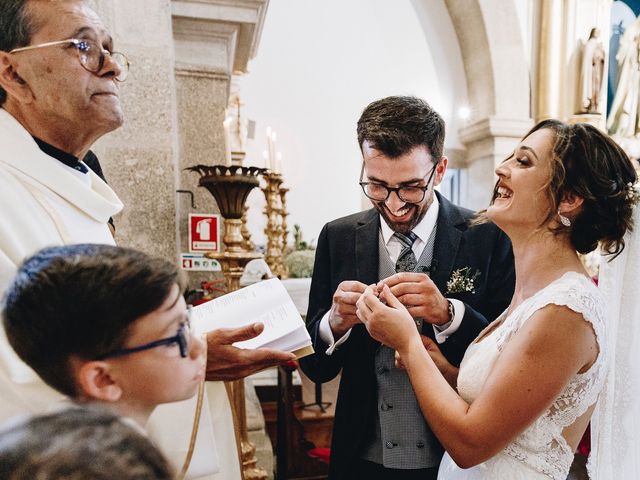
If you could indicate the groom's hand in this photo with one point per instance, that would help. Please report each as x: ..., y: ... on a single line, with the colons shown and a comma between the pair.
x: 419, y: 294
x: 342, y: 316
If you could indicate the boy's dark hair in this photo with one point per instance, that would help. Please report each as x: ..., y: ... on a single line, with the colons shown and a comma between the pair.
x: 79, y: 444
x: 16, y: 28
x: 395, y: 125
x: 80, y: 301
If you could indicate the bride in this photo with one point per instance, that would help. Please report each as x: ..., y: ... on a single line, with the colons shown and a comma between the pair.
x: 527, y: 385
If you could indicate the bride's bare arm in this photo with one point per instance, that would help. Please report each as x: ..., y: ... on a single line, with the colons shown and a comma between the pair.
x: 448, y: 371
x: 537, y: 363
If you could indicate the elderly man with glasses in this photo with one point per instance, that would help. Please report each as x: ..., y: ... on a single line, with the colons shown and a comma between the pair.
x: 453, y: 276
x: 59, y: 92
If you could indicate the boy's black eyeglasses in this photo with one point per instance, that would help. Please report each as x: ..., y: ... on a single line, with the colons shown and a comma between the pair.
x: 380, y: 193
x: 181, y: 338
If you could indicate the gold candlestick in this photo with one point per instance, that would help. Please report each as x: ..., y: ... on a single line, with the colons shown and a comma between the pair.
x: 274, y: 251
x: 231, y: 186
x: 285, y: 232
x: 247, y: 244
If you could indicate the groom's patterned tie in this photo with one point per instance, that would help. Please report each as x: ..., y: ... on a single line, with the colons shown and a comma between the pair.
x: 407, y: 259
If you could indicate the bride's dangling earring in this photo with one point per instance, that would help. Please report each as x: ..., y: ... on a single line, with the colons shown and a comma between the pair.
x: 564, y: 220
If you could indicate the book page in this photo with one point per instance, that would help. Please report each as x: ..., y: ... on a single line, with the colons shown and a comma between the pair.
x: 266, y: 302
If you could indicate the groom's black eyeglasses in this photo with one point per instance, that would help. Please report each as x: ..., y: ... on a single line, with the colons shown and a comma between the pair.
x: 380, y: 193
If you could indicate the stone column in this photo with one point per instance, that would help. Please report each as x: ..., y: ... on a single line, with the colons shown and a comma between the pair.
x: 549, y: 58
x: 139, y: 159
x: 213, y: 40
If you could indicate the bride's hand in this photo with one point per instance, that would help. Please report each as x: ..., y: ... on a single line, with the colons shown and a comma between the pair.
x: 390, y: 324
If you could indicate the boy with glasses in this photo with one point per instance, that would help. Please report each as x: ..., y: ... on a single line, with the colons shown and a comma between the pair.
x: 95, y: 322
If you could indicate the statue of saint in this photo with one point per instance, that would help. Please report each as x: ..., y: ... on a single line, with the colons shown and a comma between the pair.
x: 623, y: 116
x: 592, y: 74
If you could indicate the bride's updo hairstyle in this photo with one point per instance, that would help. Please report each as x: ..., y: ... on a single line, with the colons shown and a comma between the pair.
x: 588, y: 163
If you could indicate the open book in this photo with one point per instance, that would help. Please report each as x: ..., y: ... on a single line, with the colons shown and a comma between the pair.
x: 266, y: 302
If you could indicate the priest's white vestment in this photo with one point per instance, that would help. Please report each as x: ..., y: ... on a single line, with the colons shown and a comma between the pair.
x: 43, y: 203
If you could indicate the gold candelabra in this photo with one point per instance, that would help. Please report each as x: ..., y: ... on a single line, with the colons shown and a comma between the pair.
x: 276, y: 229
x: 285, y: 231
x: 247, y: 244
x: 230, y: 186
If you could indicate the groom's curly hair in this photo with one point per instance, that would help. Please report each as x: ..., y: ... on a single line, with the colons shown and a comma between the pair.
x: 395, y: 125
x: 587, y: 163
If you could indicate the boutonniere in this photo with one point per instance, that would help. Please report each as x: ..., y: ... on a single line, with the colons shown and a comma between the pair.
x: 462, y: 280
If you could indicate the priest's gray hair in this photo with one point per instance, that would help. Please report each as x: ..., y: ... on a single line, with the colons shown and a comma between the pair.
x: 16, y: 28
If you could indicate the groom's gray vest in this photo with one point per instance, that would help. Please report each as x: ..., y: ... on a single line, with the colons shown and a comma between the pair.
x: 401, y: 437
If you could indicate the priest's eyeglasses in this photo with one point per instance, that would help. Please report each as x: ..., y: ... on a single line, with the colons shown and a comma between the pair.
x: 90, y: 54
x: 181, y: 338
x: 379, y: 192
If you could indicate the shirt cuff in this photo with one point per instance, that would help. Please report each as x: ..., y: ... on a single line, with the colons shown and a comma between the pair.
x: 326, y: 335
x: 442, y: 332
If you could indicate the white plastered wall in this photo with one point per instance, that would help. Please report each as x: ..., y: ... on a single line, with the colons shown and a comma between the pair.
x: 319, y: 65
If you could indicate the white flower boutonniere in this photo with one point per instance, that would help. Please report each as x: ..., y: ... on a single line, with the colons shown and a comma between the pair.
x: 462, y: 280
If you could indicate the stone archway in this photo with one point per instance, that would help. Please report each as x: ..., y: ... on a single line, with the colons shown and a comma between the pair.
x: 493, y: 55
x: 498, y: 86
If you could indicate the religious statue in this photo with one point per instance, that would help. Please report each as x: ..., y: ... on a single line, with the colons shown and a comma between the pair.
x: 592, y: 73
x: 623, y: 116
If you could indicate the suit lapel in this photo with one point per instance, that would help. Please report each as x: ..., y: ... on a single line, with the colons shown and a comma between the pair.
x: 447, y: 243
x: 366, y: 248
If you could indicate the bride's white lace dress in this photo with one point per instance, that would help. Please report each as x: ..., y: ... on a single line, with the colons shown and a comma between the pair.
x: 540, y: 452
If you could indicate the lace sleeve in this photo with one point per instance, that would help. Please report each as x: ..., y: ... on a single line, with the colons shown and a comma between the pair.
x: 572, y: 290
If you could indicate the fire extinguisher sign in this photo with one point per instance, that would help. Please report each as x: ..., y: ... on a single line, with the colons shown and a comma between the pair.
x: 204, y: 232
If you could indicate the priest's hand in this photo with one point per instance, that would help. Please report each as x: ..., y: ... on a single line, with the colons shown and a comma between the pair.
x: 226, y: 362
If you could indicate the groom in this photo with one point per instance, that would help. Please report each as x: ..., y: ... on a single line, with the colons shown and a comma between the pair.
x: 453, y: 277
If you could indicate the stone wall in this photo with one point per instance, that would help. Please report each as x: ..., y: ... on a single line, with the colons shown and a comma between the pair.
x: 139, y: 159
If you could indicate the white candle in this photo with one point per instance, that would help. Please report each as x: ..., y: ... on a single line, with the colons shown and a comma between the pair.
x: 227, y: 141
x: 269, y: 160
x: 279, y: 163
x: 265, y: 155
x: 272, y: 152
